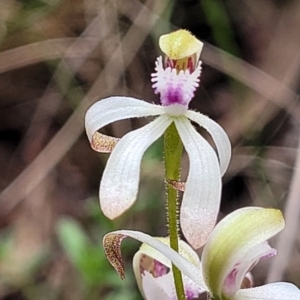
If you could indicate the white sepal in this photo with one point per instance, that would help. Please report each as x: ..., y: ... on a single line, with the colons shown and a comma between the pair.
x: 202, y: 195
x: 120, y: 179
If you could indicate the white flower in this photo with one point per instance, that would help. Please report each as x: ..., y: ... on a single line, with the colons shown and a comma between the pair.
x: 232, y: 249
x: 176, y: 84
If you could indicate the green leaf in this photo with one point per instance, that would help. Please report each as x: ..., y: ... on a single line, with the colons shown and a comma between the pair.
x: 73, y: 239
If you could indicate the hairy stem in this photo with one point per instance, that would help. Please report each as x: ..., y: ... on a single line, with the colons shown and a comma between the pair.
x: 173, y: 151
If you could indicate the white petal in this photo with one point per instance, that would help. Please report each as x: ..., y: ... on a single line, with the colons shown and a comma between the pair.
x: 113, y: 109
x: 112, y: 241
x: 236, y: 242
x: 152, y: 289
x: 272, y: 291
x: 218, y: 134
x: 202, y: 195
x: 120, y: 180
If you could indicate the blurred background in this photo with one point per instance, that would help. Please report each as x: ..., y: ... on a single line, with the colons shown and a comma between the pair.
x: 57, y: 57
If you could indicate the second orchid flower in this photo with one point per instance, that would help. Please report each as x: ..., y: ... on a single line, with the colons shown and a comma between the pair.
x: 232, y: 249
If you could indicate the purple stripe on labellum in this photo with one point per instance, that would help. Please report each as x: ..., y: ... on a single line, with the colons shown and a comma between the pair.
x: 156, y: 268
x: 186, y: 63
x: 191, y: 294
x: 176, y: 87
x: 173, y: 95
x: 159, y: 269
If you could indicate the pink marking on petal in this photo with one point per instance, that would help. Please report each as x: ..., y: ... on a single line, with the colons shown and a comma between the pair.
x: 231, y: 278
x: 230, y: 284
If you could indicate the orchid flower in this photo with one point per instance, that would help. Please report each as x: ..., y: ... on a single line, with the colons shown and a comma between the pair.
x: 232, y: 249
x: 176, y: 80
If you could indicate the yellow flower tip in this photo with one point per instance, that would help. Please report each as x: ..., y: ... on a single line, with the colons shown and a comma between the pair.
x: 277, y: 216
x: 179, y: 44
x: 182, y: 49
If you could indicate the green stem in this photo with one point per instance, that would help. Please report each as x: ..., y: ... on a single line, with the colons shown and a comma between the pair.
x: 173, y: 151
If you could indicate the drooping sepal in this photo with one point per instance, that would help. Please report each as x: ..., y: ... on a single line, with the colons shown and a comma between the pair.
x: 112, y: 242
x: 120, y: 179
x: 202, y: 195
x: 112, y: 109
x: 112, y: 248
